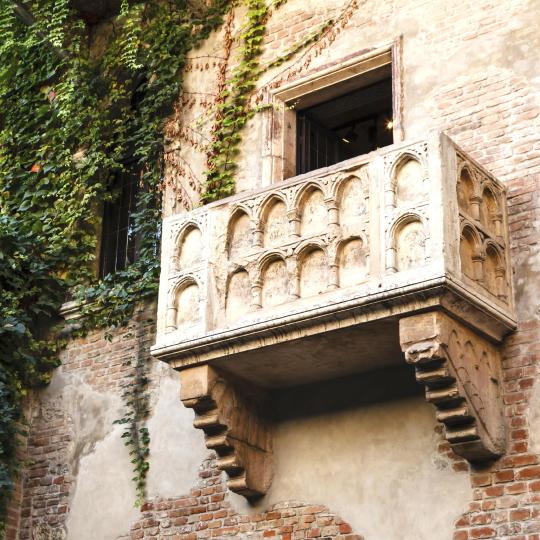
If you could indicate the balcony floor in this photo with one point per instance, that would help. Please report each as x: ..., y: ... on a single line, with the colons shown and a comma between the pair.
x: 338, y: 353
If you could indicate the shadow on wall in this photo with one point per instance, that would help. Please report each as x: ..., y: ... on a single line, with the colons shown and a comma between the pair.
x: 367, y: 448
x: 351, y: 392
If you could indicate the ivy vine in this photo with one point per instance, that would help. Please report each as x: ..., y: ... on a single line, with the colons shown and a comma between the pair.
x: 68, y: 123
x: 72, y: 115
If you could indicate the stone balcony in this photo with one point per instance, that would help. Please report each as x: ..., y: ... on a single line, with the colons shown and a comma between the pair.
x: 401, y: 252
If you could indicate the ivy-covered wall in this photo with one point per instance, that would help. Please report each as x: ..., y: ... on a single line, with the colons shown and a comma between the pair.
x: 81, y: 101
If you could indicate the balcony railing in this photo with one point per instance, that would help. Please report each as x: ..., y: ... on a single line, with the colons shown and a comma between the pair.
x: 353, y: 239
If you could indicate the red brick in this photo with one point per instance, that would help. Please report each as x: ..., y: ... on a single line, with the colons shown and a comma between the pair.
x: 483, y: 532
x: 528, y: 473
x: 503, y: 476
x: 520, y: 514
x: 494, y: 491
x: 479, y: 480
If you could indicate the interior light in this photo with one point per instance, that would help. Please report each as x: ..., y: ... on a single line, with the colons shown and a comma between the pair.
x: 351, y: 135
x: 389, y: 125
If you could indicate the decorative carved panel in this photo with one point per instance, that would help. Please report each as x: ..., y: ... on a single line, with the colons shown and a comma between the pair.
x: 410, y: 245
x: 239, y: 234
x: 409, y: 182
x: 276, y: 224
x: 275, y: 283
x: 238, y: 295
x: 313, y: 273
x: 314, y: 216
x: 190, y: 249
x: 353, y: 203
x: 353, y: 262
x: 484, y: 236
x: 187, y: 305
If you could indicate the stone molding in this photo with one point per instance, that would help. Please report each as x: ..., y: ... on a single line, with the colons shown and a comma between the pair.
x: 461, y: 374
x: 233, y: 426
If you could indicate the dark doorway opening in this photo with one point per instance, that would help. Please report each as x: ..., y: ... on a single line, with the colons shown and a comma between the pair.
x: 347, y: 125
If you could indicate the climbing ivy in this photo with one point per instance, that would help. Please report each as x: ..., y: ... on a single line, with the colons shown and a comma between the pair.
x: 72, y: 117
x: 236, y: 103
x: 234, y: 108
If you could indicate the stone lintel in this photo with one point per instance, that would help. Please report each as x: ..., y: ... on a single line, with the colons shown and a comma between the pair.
x: 233, y: 426
x: 461, y: 371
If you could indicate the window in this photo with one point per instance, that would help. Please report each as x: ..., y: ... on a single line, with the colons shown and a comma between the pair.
x: 343, y: 111
x: 118, y: 241
x: 346, y: 126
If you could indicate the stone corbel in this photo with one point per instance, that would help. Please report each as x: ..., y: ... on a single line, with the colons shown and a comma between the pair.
x: 461, y: 372
x: 233, y: 428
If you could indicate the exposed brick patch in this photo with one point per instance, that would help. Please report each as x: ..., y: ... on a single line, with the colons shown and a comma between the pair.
x: 48, y: 478
x: 206, y: 513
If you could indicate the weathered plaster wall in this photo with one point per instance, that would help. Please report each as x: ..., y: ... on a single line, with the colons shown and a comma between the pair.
x: 177, y: 450
x: 347, y: 461
x: 335, y: 445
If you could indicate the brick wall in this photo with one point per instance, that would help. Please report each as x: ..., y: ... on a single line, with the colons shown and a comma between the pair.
x: 207, y: 513
x: 50, y: 474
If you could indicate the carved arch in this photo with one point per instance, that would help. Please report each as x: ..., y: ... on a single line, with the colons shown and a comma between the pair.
x: 352, y: 260
x: 275, y: 280
x: 239, y: 232
x: 308, y: 245
x: 183, y: 305
x: 408, y: 179
x: 361, y: 174
x: 408, y: 239
x: 238, y: 294
x: 274, y: 225
x: 188, y: 255
x: 468, y: 227
x: 494, y: 270
x: 470, y: 251
x: 268, y: 201
x: 313, y: 269
x: 490, y: 209
x: 268, y: 257
x: 305, y: 189
x: 467, y: 190
x: 312, y: 210
x: 351, y: 193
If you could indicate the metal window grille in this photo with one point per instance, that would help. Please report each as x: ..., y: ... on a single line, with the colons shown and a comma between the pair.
x: 316, y: 146
x: 118, y: 240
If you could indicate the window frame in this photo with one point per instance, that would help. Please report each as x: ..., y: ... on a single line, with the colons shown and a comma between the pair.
x: 279, y: 123
x: 127, y: 179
